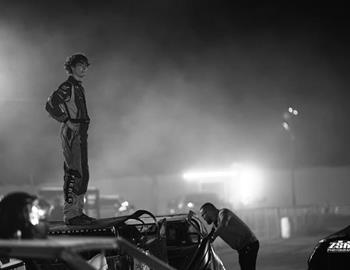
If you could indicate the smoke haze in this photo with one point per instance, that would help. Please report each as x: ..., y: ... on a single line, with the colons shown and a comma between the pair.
x: 170, y: 86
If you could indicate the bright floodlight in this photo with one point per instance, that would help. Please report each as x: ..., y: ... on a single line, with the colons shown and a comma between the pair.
x: 201, y: 175
x: 190, y: 205
x: 123, y: 206
x: 34, y: 215
x: 249, y: 184
x: 243, y: 182
x: 293, y: 111
x: 285, y: 125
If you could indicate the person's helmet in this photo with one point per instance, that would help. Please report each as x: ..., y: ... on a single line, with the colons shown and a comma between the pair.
x: 23, y: 216
x: 74, y: 59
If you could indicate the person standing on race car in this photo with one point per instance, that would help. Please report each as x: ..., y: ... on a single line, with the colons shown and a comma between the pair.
x: 67, y: 105
x: 234, y: 232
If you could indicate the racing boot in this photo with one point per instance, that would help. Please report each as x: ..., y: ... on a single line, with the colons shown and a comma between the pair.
x: 79, y: 221
x: 91, y: 219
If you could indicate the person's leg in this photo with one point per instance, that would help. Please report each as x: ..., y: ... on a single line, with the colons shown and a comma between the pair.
x: 84, y: 159
x: 84, y: 169
x: 74, y: 200
x: 72, y: 204
x: 247, y: 257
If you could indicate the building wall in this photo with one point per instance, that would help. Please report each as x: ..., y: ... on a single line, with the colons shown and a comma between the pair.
x: 319, y: 186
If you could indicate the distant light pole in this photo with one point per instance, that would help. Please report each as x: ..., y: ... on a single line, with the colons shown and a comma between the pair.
x: 287, y: 125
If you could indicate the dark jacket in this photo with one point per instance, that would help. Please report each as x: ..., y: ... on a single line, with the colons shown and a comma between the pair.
x: 68, y: 102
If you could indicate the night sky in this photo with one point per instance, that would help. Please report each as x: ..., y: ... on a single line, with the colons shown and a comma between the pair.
x: 176, y: 84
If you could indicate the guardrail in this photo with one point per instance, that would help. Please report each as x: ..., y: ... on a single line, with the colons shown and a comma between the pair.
x: 67, y: 249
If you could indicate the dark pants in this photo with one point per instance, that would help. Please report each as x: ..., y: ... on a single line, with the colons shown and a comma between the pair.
x: 76, y: 170
x: 247, y: 256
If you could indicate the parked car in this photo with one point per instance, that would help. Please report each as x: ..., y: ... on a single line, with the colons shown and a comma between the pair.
x: 188, y: 244
x: 193, y: 202
x: 332, y: 252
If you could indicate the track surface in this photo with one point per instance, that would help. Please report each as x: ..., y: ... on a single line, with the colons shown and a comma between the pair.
x: 290, y: 254
x: 285, y: 254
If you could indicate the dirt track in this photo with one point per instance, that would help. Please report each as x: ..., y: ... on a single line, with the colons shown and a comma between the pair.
x: 280, y: 254
x: 287, y: 254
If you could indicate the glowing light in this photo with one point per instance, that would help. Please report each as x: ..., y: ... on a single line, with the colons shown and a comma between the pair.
x: 38, y: 212
x: 285, y: 125
x: 293, y: 111
x: 124, y: 206
x: 249, y: 184
x: 244, y: 181
x: 34, y: 215
x: 190, y: 205
x: 207, y: 175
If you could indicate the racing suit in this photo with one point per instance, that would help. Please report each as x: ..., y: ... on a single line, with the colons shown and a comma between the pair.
x: 68, y: 105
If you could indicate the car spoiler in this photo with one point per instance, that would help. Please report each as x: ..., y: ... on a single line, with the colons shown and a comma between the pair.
x: 104, y: 226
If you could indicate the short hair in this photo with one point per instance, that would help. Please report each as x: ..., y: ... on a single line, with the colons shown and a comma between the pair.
x: 74, y: 59
x: 208, y: 206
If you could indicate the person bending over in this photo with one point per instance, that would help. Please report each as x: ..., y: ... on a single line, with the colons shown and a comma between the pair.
x: 234, y: 232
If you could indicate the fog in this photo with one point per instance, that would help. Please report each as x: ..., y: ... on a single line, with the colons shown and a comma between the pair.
x: 181, y: 85
x: 168, y: 88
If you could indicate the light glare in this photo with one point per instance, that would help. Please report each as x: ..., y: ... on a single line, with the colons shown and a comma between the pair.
x: 244, y: 181
x: 34, y: 215
x: 207, y: 175
x: 190, y: 205
x: 249, y: 184
x: 285, y: 125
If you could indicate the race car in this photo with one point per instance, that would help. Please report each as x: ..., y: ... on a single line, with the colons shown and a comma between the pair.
x: 181, y: 241
x: 331, y: 252
x: 136, y: 241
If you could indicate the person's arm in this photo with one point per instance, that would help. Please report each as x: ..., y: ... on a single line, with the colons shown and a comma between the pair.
x: 223, y: 220
x: 55, y: 103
